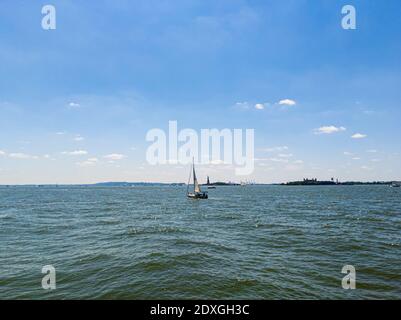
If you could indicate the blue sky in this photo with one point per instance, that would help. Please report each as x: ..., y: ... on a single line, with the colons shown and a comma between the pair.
x: 76, y: 102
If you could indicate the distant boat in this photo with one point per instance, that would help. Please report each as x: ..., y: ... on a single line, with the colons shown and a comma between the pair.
x: 396, y: 185
x: 197, y: 193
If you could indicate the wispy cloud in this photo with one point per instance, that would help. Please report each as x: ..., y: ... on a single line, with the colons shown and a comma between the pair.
x: 75, y: 153
x: 369, y: 112
x: 48, y: 157
x: 216, y: 162
x: 329, y: 130
x: 298, y: 162
x: 79, y: 138
x: 22, y: 156
x: 74, y: 105
x: 366, y: 168
x: 275, y: 149
x: 114, y: 156
x: 371, y: 151
x: 282, y: 160
x: 287, y: 102
x: 358, y: 136
x: 285, y: 155
x: 88, y: 163
x: 242, y: 105
x: 2, y: 153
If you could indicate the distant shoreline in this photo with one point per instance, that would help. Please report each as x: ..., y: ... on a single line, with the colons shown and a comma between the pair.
x: 215, y: 184
x: 315, y: 182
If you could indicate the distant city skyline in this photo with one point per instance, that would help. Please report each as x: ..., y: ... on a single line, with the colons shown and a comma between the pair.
x: 77, y: 102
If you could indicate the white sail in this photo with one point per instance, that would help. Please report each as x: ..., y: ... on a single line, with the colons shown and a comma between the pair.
x: 196, y: 184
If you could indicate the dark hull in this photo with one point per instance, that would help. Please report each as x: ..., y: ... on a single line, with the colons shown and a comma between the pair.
x: 202, y: 195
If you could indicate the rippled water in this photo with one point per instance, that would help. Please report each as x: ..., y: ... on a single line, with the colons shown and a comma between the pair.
x: 260, y: 242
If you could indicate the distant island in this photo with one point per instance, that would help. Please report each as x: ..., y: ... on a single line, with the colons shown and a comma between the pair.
x: 315, y: 182
x: 219, y: 183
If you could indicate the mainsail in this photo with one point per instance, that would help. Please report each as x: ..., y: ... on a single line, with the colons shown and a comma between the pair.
x: 196, y: 184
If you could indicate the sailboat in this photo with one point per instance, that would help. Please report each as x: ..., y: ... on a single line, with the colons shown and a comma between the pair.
x: 197, y: 193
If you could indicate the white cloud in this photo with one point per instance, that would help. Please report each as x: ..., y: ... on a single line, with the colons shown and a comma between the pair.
x: 358, y: 136
x: 216, y: 162
x: 79, y: 138
x: 74, y: 105
x: 298, y: 162
x: 2, y: 153
x: 278, y: 160
x: 276, y: 149
x: 259, y: 106
x: 88, y: 163
x: 371, y: 151
x: 356, y: 158
x: 76, y: 153
x: 85, y: 163
x: 285, y: 155
x: 22, y: 156
x: 346, y: 153
x: 242, y: 105
x: 329, y: 130
x: 114, y: 156
x: 60, y: 133
x: 287, y: 102
x: 366, y: 168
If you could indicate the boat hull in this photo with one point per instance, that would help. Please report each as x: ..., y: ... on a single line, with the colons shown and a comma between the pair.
x: 202, y: 195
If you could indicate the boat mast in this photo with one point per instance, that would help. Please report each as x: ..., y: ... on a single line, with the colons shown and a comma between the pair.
x: 193, y: 167
x: 189, y: 180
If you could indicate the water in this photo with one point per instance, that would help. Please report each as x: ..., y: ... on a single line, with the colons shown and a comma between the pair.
x: 254, y: 242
